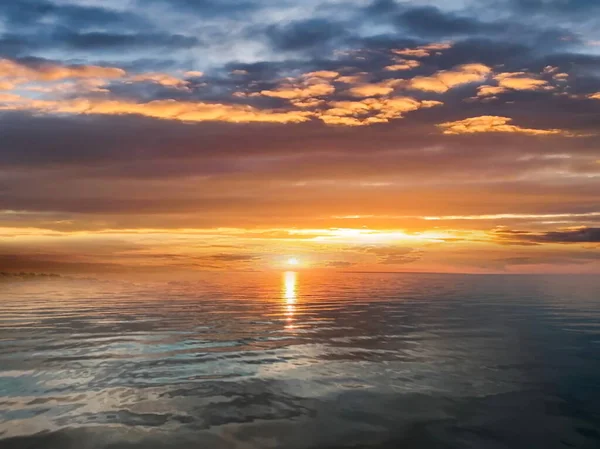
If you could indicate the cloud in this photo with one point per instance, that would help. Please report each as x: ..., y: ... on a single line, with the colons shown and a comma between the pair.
x: 101, y: 40
x: 339, y: 264
x: 230, y: 257
x: 207, y: 8
x: 561, y: 259
x: 395, y: 255
x: 48, y: 71
x: 516, y: 81
x: 423, y: 51
x: 495, y: 124
x: 402, y: 64
x: 563, y: 236
x: 304, y: 34
x: 489, y: 91
x: 574, y: 7
x: 54, y: 263
x: 384, y: 87
x: 327, y: 74
x: 164, y: 79
x: 519, y: 81
x: 308, y: 86
x: 445, y: 80
x: 162, y: 109
x: 430, y: 21
x: 37, y: 12
x: 371, y: 110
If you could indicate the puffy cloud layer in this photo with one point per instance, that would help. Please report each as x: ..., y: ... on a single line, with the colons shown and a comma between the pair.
x: 161, y: 109
x: 493, y: 124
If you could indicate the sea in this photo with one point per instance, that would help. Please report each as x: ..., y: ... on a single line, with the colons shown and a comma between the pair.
x: 301, y: 360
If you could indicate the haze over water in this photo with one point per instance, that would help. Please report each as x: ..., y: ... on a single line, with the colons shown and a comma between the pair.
x: 302, y: 360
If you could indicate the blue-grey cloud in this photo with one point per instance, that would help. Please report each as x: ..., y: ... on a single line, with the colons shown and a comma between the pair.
x: 305, y: 34
x: 19, y: 13
x: 428, y: 21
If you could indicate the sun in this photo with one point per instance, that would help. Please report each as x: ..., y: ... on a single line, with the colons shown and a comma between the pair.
x: 293, y: 261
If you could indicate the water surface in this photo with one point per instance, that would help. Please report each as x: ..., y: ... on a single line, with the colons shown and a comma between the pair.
x: 300, y: 360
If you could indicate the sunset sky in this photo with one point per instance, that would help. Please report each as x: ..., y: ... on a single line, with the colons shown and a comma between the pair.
x: 146, y: 136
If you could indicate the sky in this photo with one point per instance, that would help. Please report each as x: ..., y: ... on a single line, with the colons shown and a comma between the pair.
x: 164, y: 136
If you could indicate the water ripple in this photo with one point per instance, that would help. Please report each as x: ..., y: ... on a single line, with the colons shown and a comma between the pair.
x: 302, y: 360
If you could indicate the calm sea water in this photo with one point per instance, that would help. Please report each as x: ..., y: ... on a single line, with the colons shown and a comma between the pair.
x: 299, y: 360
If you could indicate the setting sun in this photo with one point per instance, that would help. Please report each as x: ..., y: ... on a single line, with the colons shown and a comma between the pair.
x: 293, y: 261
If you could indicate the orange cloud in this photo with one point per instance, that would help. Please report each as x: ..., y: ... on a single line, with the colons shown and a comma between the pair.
x: 423, y: 51
x: 307, y: 103
x: 371, y: 110
x: 415, y: 52
x: 55, y: 72
x: 327, y: 74
x: 345, y: 121
x: 9, y: 98
x: 595, y: 96
x: 163, y: 79
x: 403, y: 64
x: 494, y: 124
x: 162, y: 109
x: 374, y: 89
x: 350, y: 113
x: 352, y: 79
x: 8, y: 85
x: 445, y: 80
x: 519, y: 81
x: 489, y: 91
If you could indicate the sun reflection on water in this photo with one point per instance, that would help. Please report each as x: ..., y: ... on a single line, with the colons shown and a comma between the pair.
x: 290, y: 296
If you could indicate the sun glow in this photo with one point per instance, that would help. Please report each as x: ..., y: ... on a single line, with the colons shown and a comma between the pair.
x: 293, y: 261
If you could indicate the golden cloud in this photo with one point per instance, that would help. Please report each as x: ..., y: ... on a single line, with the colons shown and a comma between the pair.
x: 9, y: 98
x: 415, y: 52
x: 489, y: 91
x: 163, y: 79
x: 519, y: 81
x: 423, y: 51
x: 327, y: 74
x: 196, y: 74
x: 352, y: 79
x: 162, y: 109
x: 345, y: 121
x: 402, y: 64
x: 307, y: 103
x: 371, y: 110
x: 374, y: 89
x: 8, y: 85
x: 54, y: 72
x: 494, y: 124
x: 445, y: 80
